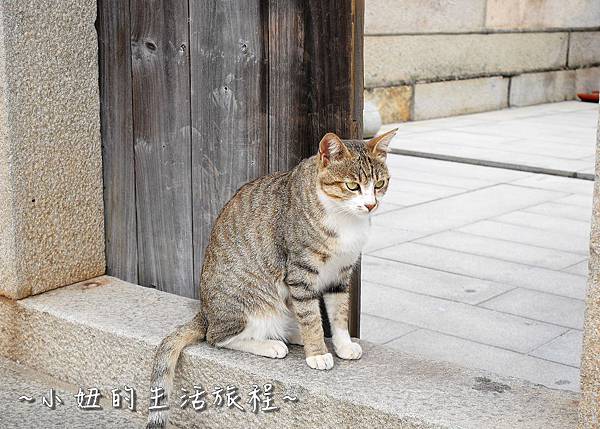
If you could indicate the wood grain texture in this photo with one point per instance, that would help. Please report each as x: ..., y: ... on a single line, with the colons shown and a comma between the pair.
x: 333, y: 68
x: 193, y: 110
x: 117, y: 139
x: 357, y: 75
x: 161, y: 112
x: 333, y: 49
x: 229, y: 106
x: 288, y: 88
x: 315, y: 86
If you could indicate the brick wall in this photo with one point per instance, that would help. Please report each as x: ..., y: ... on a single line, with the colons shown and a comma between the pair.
x: 434, y: 58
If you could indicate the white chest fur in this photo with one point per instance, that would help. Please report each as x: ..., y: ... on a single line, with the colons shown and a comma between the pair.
x: 352, y: 233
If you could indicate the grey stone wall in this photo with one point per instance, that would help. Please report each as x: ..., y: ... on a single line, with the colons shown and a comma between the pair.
x: 51, y: 207
x: 589, y: 410
x: 547, y: 50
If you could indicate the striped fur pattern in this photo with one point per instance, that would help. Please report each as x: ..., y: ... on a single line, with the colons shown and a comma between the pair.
x: 283, y: 241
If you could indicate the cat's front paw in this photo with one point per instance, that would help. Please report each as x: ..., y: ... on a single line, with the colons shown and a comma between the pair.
x: 320, y: 361
x: 349, y: 351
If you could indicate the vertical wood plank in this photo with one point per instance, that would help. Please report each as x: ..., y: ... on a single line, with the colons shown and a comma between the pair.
x: 161, y: 115
x: 229, y: 105
x: 334, y: 69
x: 333, y: 40
x: 289, y: 88
x: 315, y: 85
x: 357, y: 74
x: 117, y: 139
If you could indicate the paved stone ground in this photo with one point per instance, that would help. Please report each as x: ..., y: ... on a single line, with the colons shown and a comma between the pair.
x: 480, y: 266
x: 18, y: 380
x: 536, y: 136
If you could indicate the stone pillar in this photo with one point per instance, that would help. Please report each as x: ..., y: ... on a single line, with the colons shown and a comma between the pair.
x: 590, y: 366
x: 51, y: 207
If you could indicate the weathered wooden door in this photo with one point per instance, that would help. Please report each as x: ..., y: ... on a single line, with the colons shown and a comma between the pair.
x: 198, y: 97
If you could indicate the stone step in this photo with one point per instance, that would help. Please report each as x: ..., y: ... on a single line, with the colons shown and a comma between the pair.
x: 102, y: 333
x: 60, y: 411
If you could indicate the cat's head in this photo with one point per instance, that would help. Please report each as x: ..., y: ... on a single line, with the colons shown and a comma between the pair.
x: 353, y: 175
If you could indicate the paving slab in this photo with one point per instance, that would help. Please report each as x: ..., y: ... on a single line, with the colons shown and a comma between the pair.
x: 482, y: 267
x: 536, y: 237
x: 461, y: 320
x: 496, y: 155
x: 478, y: 141
x: 555, y: 183
x: 526, y: 129
x: 462, y: 138
x: 567, y: 211
x: 533, y: 137
x: 380, y: 237
x: 584, y: 201
x: 430, y: 282
x: 536, y: 305
x: 453, y: 169
x: 380, y: 331
x: 413, y: 196
x: 386, y: 206
x: 405, y: 172
x: 434, y: 345
x: 548, y: 223
x: 565, y: 349
x: 502, y: 249
x: 432, y: 190
x: 580, y: 269
x: 465, y: 208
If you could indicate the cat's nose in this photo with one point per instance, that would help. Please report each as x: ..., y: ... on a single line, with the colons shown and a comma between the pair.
x: 370, y: 206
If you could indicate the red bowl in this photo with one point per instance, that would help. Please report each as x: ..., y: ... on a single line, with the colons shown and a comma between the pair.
x: 590, y: 97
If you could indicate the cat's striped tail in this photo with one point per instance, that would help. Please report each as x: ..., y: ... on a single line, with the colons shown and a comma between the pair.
x: 163, y: 371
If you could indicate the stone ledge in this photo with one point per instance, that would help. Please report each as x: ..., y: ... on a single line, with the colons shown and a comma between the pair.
x: 425, y: 16
x: 395, y: 60
x: 18, y: 380
x: 459, y: 97
x: 584, y: 49
x: 394, y: 103
x: 541, y: 14
x: 537, y: 88
x: 103, y: 333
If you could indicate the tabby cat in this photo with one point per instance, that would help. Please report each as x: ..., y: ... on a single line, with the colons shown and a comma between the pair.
x: 282, y: 242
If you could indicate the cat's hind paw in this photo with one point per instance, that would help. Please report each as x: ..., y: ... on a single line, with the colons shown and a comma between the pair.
x: 275, y: 349
x: 320, y: 361
x: 349, y: 351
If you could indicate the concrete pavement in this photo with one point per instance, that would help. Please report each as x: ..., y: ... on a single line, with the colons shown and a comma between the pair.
x: 486, y: 267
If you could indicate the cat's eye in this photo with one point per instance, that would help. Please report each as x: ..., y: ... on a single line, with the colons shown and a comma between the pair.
x: 353, y: 186
x: 379, y: 184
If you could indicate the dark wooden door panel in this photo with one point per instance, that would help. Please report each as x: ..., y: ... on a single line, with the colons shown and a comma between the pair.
x: 229, y: 102
x: 315, y: 84
x: 162, y: 143
x: 198, y: 101
x: 117, y: 139
x: 289, y: 89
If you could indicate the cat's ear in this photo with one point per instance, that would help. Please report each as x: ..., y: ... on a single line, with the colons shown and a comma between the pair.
x: 331, y: 148
x: 379, y: 145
